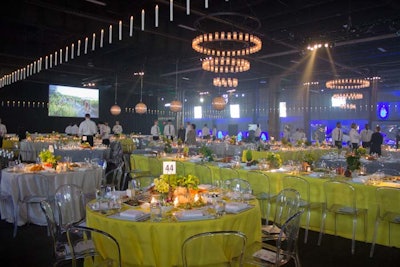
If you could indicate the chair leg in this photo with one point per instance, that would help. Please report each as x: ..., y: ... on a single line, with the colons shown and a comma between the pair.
x: 353, y: 239
x: 322, y: 228
x: 307, y: 225
x: 371, y: 253
x: 297, y: 262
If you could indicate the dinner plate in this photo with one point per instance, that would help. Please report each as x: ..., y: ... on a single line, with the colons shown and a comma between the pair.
x: 193, y: 215
x: 265, y: 255
x: 237, y: 207
x: 141, y: 218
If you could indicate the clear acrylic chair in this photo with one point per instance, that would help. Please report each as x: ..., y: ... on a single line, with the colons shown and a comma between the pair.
x: 226, y: 173
x: 180, y: 168
x: 264, y: 195
x: 287, y: 203
x: 227, y: 249
x: 204, y: 173
x: 280, y: 253
x: 95, y: 247
x: 70, y: 203
x: 156, y: 166
x: 303, y: 187
x: 341, y: 199
x: 32, y: 189
x: 61, y: 250
x: 114, y: 177
x: 388, y: 211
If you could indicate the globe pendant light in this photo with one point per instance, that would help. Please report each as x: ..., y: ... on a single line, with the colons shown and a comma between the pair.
x: 141, y: 107
x: 176, y: 105
x: 218, y: 103
x: 115, y: 109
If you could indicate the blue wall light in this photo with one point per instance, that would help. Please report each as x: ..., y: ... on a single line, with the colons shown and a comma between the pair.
x: 383, y: 111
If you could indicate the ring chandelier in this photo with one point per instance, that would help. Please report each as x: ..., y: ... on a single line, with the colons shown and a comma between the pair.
x: 350, y: 96
x: 347, y: 84
x: 203, y: 44
x: 225, y: 82
x: 225, y: 65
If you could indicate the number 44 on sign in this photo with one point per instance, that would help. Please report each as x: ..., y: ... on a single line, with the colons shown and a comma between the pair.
x: 169, y: 167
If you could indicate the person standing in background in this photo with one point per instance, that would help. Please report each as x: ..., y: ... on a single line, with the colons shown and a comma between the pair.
x: 214, y: 132
x: 155, y: 131
x: 117, y: 128
x: 68, y: 129
x: 205, y: 132
x: 354, y: 136
x: 376, y: 142
x: 181, y: 133
x: 366, y: 134
x: 3, y: 132
x: 188, y: 128
x: 337, y: 135
x: 257, y: 133
x: 74, y: 130
x: 169, y: 130
x: 105, y: 134
x: 87, y: 129
x: 191, y: 135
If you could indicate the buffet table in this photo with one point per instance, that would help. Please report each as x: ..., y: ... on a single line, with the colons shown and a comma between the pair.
x: 87, y: 178
x: 159, y: 243
x: 366, y: 198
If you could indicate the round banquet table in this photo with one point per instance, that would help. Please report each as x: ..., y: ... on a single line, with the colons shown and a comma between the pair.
x: 87, y: 178
x: 82, y: 154
x: 159, y: 243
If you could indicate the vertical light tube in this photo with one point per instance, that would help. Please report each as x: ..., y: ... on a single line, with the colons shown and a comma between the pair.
x: 171, y: 10
x: 187, y: 7
x: 51, y: 61
x: 101, y: 37
x: 131, y: 26
x: 156, y: 16
x: 66, y: 54
x: 72, y: 50
x: 78, y: 51
x: 94, y: 42
x: 110, y: 35
x: 206, y: 3
x: 120, y: 30
x: 86, y: 44
x: 142, y: 19
x: 46, y: 62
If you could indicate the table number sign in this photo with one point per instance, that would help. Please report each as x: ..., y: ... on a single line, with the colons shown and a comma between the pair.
x: 169, y: 167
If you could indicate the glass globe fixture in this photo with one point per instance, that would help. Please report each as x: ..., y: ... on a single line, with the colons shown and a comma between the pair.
x: 175, y: 106
x: 218, y: 103
x: 115, y: 110
x: 141, y: 108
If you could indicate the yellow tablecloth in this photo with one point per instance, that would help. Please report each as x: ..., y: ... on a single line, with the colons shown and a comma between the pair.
x: 159, y: 243
x: 366, y: 198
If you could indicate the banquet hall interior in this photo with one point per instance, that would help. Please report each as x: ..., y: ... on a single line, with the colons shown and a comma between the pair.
x: 283, y: 65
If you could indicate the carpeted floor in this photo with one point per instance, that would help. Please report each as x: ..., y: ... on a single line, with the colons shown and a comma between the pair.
x: 32, y: 247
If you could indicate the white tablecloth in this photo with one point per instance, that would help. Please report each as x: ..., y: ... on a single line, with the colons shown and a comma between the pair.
x: 30, y: 150
x: 81, y: 154
x: 88, y: 179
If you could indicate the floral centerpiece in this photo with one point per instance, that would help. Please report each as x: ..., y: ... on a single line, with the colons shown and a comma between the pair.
x: 207, y: 153
x: 274, y: 160
x: 48, y: 159
x: 178, y: 190
x: 167, y: 144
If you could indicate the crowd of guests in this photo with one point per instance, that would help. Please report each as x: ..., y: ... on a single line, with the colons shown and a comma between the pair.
x: 88, y: 129
x: 366, y: 137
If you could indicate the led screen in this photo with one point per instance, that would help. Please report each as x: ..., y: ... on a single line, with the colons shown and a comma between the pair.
x: 67, y: 101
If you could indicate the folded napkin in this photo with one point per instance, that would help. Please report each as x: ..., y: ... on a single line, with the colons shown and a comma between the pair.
x: 232, y: 207
x: 132, y: 214
x: 191, y: 214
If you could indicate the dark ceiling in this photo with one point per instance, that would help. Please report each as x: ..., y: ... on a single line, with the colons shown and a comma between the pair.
x: 365, y: 36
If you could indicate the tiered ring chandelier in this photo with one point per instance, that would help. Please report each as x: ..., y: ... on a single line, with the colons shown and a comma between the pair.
x: 225, y: 82
x: 349, y: 96
x: 204, y: 44
x: 225, y: 65
x: 350, y: 83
